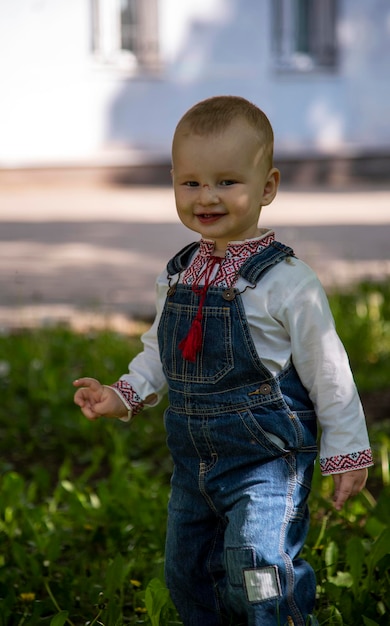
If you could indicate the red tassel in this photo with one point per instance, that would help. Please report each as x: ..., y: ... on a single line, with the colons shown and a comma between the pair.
x: 192, y: 343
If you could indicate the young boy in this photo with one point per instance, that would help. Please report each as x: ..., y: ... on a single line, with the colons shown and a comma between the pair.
x: 245, y: 345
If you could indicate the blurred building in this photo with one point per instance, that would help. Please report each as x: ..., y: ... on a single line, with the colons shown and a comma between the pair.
x: 102, y: 83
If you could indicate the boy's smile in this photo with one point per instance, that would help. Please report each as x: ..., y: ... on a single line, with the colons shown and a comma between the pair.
x: 221, y: 181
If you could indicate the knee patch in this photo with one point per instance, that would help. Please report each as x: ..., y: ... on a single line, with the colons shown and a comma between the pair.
x: 259, y: 583
x: 262, y: 583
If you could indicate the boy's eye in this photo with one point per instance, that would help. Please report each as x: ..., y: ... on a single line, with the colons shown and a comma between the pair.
x: 226, y: 183
x: 191, y: 183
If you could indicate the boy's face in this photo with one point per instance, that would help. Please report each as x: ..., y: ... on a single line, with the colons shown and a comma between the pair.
x: 221, y: 182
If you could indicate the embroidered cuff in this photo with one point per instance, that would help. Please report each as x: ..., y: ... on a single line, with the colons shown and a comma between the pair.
x: 130, y: 397
x: 346, y: 462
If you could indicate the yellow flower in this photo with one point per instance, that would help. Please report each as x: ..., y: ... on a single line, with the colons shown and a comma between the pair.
x: 140, y: 609
x: 27, y: 596
x: 135, y: 583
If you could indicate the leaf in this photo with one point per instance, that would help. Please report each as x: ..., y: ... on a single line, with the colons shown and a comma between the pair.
x: 331, y: 558
x: 115, y: 575
x: 342, y: 579
x: 156, y: 598
x: 380, y: 548
x: 374, y: 527
x: 59, y: 619
x: 382, y: 509
x: 331, y: 615
x: 369, y: 622
x: 355, y: 560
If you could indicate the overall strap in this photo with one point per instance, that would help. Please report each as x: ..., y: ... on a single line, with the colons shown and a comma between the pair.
x: 254, y: 267
x: 181, y: 260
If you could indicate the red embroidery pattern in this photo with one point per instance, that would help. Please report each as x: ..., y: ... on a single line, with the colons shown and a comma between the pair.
x: 346, y: 462
x: 130, y: 396
x: 236, y: 254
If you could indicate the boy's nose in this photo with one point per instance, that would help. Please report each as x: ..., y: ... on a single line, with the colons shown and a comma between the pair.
x: 208, y: 195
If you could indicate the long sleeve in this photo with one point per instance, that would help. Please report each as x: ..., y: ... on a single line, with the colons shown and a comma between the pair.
x: 323, y: 367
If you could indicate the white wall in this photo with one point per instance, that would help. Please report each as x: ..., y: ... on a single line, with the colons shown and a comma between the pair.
x: 58, y: 106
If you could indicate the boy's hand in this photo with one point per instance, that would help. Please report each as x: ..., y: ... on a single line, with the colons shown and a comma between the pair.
x: 347, y: 485
x: 96, y: 400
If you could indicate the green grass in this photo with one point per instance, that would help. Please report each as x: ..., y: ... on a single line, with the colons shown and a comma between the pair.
x: 363, y: 322
x: 83, y: 505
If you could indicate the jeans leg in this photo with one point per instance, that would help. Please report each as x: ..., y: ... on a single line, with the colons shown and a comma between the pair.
x: 237, y: 523
x: 266, y: 580
x: 193, y: 561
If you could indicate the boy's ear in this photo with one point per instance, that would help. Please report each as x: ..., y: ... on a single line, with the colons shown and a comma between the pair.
x: 271, y: 186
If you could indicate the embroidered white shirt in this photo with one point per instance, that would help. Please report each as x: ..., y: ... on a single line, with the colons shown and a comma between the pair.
x: 290, y: 320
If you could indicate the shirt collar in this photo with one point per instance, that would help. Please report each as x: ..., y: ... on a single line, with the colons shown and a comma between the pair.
x: 239, y: 248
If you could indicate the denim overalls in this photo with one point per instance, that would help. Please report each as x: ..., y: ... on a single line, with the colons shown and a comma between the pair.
x: 243, y: 444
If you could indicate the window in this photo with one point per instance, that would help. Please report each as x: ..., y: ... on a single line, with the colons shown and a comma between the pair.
x: 304, y: 34
x: 124, y: 33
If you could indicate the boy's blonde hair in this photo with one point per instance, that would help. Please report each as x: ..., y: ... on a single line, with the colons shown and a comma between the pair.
x: 215, y: 114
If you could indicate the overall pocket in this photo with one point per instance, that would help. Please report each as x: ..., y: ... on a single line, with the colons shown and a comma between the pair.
x: 214, y: 360
x: 281, y: 431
